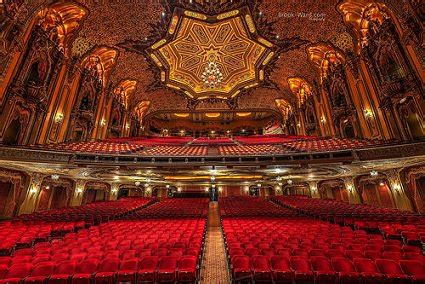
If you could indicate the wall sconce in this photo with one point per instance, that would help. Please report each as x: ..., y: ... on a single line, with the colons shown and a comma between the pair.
x: 54, y: 177
x: 79, y: 190
x: 102, y: 122
x: 246, y: 188
x: 397, y: 187
x: 373, y: 173
x: 167, y: 186
x: 179, y: 189
x: 258, y: 184
x: 323, y: 120
x: 137, y: 183
x: 33, y: 190
x: 350, y: 188
x: 368, y: 113
x: 127, y: 126
x: 290, y: 182
x: 206, y: 189
x: 59, y: 117
x: 212, y: 178
x: 298, y: 125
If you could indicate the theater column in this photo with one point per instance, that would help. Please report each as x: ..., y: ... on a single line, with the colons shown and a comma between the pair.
x: 314, y: 192
x: 77, y: 196
x: 353, y: 194
x: 401, y: 200
x: 32, y: 195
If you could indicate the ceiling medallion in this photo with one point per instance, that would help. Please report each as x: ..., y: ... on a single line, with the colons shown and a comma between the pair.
x: 212, y: 56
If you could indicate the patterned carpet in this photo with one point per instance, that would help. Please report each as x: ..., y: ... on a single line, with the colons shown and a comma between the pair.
x: 214, y: 266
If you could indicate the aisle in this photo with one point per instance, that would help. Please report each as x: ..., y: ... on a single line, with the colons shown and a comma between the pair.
x: 214, y: 265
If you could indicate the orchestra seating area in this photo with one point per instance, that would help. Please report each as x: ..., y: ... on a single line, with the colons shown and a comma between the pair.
x: 392, y: 223
x: 138, y: 249
x: 299, y: 249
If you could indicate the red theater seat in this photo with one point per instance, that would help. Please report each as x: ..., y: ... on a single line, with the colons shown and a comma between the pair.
x: 106, y: 271
x: 41, y: 272
x: 346, y: 270
x: 147, y: 269
x: 63, y: 272
x: 392, y: 271
x: 187, y: 269
x: 261, y: 269
x: 241, y: 268
x: 323, y: 270
x: 281, y: 269
x: 368, y: 270
x: 17, y: 272
x: 415, y: 269
x: 167, y: 268
x: 85, y: 271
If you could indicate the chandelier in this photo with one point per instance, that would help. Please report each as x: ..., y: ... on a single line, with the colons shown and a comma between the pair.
x: 212, y: 75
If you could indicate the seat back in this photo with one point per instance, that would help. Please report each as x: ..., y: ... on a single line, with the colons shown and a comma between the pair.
x: 280, y: 263
x: 321, y: 263
x: 88, y: 266
x: 44, y: 269
x: 241, y: 261
x: 260, y: 262
x: 66, y: 267
x: 19, y: 270
x: 341, y: 264
x: 129, y: 264
x: 365, y: 265
x: 300, y: 263
x: 149, y: 262
x: 187, y: 261
x: 388, y: 266
x: 109, y: 265
x: 412, y: 267
x: 167, y: 262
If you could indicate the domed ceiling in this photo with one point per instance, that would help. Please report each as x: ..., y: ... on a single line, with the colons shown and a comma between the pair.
x: 211, y: 54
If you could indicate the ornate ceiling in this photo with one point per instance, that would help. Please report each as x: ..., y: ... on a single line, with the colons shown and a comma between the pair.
x: 131, y: 27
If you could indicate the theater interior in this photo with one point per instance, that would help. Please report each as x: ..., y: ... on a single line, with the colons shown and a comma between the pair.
x: 212, y: 141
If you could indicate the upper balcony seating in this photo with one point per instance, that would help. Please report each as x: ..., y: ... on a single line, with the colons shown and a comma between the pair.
x: 303, y: 250
x: 238, y: 150
x: 25, y: 230
x: 114, y: 252
x: 244, y: 206
x: 331, y: 144
x: 100, y: 147
x: 392, y: 223
x: 213, y: 141
x: 173, y: 208
x: 175, y: 151
x: 152, y: 141
x: 270, y: 139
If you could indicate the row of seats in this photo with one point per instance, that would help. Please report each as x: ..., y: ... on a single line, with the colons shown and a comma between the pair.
x: 149, y: 269
x: 331, y: 144
x: 318, y: 269
x: 392, y: 223
x: 306, y: 240
x: 173, y: 208
x: 175, y: 151
x: 246, y: 206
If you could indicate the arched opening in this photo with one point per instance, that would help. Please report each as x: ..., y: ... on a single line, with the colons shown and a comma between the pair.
x: 420, y: 185
x: 44, y: 198
x: 376, y: 191
x: 37, y: 73
x: 59, y: 199
x: 348, y: 130
x: 123, y: 192
x: 414, y: 124
x: 12, y: 133
x: 6, y: 193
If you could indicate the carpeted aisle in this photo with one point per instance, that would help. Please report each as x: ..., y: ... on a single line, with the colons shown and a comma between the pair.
x: 214, y: 265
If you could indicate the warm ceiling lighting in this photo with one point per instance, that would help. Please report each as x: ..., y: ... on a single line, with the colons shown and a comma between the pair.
x: 181, y: 114
x: 212, y: 114
x: 243, y: 114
